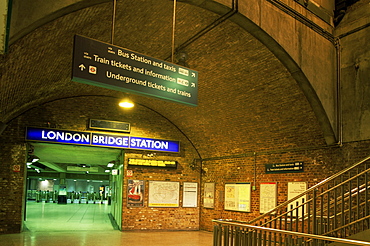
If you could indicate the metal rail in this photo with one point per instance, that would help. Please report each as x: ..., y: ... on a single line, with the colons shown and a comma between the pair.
x: 236, y: 234
x: 337, y: 208
x: 310, y: 190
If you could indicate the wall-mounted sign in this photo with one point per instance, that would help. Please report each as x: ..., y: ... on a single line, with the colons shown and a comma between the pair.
x: 100, y: 139
x: 16, y: 168
x: 151, y: 163
x: 295, y: 189
x: 238, y: 197
x: 129, y: 173
x: 116, y: 68
x: 209, y: 195
x: 115, y: 172
x: 109, y: 125
x: 164, y: 194
x: 268, y: 196
x: 135, y: 193
x: 292, y: 167
x: 190, y: 195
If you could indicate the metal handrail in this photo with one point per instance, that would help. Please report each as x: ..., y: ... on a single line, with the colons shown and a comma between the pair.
x: 311, y: 199
x: 310, y: 189
x: 347, y: 225
x: 299, y: 234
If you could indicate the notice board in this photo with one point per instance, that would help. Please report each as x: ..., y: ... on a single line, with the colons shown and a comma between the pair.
x: 209, y: 195
x: 268, y: 196
x: 295, y: 189
x: 190, y: 195
x: 164, y: 194
x: 238, y: 197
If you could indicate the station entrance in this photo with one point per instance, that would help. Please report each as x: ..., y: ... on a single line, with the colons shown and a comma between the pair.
x: 72, y: 187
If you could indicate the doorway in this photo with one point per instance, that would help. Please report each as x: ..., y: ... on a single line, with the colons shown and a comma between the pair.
x: 71, y: 187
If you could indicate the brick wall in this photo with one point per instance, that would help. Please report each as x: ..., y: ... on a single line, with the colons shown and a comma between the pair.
x: 156, y: 218
x: 318, y: 165
x: 11, y: 186
x: 73, y: 114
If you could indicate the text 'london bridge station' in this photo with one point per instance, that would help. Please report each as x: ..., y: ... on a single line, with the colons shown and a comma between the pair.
x: 101, y: 140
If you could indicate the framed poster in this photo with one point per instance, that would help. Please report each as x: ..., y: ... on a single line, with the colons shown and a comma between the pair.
x: 295, y: 189
x: 135, y: 193
x: 164, y: 194
x: 268, y: 196
x: 209, y: 195
x: 190, y: 195
x: 238, y: 197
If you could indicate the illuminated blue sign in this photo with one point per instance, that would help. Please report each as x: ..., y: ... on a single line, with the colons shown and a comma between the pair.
x: 107, y: 140
x: 154, y: 144
x: 57, y: 136
x: 100, y: 139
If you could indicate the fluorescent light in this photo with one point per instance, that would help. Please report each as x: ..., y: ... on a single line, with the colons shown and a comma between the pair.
x: 107, y: 171
x: 110, y: 164
x: 126, y: 104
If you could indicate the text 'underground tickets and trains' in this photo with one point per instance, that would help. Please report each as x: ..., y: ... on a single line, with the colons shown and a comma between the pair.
x: 116, y: 68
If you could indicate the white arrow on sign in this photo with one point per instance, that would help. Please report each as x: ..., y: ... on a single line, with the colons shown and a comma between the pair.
x: 82, y: 67
x: 192, y: 84
x: 192, y: 74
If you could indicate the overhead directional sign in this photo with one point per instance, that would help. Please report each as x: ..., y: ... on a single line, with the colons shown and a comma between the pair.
x: 112, y: 67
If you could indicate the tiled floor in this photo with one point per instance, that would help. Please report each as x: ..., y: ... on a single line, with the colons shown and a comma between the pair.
x: 89, y: 224
x: 71, y: 217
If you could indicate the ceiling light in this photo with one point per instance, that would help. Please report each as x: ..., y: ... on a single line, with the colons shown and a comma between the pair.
x: 126, y: 104
x: 110, y: 164
x: 107, y: 171
x: 34, y: 158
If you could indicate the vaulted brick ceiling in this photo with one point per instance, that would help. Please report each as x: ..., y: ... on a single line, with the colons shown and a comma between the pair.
x: 247, y: 99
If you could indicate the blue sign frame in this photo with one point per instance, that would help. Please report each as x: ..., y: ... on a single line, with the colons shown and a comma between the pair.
x: 100, y: 139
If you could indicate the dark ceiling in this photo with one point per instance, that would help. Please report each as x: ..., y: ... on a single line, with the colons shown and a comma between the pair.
x: 242, y: 86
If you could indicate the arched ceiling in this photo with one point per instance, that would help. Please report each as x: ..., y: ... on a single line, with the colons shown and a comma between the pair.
x: 247, y: 99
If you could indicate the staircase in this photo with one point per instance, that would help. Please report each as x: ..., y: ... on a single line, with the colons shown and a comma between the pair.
x: 333, y: 210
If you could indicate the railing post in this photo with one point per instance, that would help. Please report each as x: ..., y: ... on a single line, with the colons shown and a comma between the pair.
x: 314, y: 217
x: 226, y: 235
x: 358, y: 201
x: 216, y: 235
x: 367, y: 222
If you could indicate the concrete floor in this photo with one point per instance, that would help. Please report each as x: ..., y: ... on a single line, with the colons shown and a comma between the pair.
x: 89, y: 224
